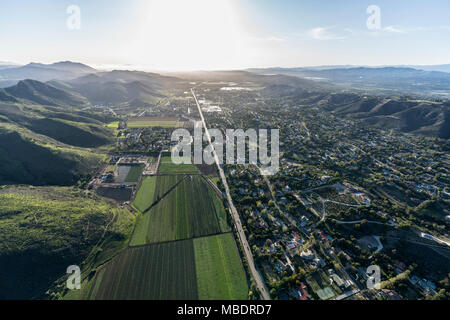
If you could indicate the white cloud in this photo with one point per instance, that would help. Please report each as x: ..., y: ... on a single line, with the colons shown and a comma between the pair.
x: 394, y: 29
x: 325, y: 33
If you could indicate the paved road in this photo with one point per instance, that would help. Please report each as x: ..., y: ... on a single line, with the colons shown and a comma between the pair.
x: 237, y: 221
x: 433, y: 238
x: 357, y: 221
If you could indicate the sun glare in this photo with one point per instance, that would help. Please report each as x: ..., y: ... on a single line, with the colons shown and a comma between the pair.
x: 187, y: 35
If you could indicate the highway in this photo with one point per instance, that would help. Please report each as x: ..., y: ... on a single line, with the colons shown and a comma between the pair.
x: 237, y: 220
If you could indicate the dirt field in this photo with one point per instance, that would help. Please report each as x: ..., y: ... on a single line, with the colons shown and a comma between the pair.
x: 115, y: 193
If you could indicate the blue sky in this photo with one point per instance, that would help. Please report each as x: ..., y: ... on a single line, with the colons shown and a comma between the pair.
x: 224, y: 34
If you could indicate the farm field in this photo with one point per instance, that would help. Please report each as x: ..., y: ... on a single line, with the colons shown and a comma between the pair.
x: 134, y: 173
x: 220, y: 211
x: 145, y: 122
x: 152, y: 189
x: 145, y: 194
x: 156, y: 272
x: 113, y: 125
x: 220, y: 274
x: 165, y: 183
x: 115, y: 193
x: 182, y: 248
x: 183, y: 214
x: 167, y: 167
x: 122, y: 173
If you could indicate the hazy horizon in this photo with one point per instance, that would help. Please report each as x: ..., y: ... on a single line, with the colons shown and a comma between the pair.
x: 176, y: 35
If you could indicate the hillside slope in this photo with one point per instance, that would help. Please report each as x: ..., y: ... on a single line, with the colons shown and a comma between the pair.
x: 48, y: 146
x: 117, y: 87
x: 45, y: 94
x: 429, y: 118
x: 45, y: 230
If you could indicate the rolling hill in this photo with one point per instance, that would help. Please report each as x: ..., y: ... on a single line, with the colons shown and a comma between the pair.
x: 44, y: 94
x: 43, y: 72
x: 50, y: 146
x: 424, y: 117
x: 117, y: 87
x: 46, y: 229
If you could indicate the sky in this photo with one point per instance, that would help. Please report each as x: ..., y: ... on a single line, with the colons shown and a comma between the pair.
x: 225, y: 34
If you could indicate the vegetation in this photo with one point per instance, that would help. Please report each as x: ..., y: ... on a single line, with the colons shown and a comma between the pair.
x: 154, y: 189
x: 168, y: 167
x: 150, y: 124
x: 44, y: 230
x: 134, y: 173
x: 220, y: 274
x: 183, y: 214
x: 144, y: 196
x: 156, y: 272
x: 41, y: 151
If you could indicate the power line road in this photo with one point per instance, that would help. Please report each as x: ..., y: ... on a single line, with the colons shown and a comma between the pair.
x: 237, y: 221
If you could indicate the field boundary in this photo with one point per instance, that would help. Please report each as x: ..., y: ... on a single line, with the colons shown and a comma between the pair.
x: 164, y: 195
x: 179, y: 240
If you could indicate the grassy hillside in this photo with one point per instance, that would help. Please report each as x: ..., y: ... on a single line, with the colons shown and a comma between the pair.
x: 44, y: 230
x: 46, y: 94
x: 50, y: 146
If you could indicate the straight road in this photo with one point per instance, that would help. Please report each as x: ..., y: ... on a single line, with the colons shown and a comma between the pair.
x: 237, y: 220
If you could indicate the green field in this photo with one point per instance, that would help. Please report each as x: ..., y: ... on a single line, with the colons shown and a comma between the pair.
x: 113, y: 125
x: 186, y: 212
x: 155, y: 123
x: 203, y: 268
x: 145, y: 194
x: 152, y: 189
x: 220, y: 274
x: 157, y: 272
x: 178, y: 249
x: 135, y: 173
x: 165, y: 183
x: 167, y: 167
x: 220, y: 211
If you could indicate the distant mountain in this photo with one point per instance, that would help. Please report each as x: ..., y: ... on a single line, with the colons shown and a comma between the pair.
x: 44, y: 94
x: 7, y: 65
x: 117, y: 86
x: 388, y: 80
x: 108, y: 88
x: 440, y: 67
x: 271, y: 79
x: 43, y: 72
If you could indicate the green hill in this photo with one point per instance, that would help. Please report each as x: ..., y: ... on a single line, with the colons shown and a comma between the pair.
x: 50, y: 146
x: 44, y: 230
x: 45, y: 94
